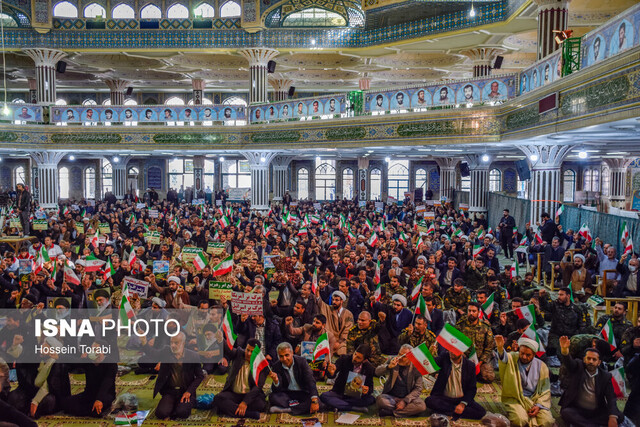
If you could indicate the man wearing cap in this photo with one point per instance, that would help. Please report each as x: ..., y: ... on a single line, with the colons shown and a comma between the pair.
x: 526, y: 392
x: 174, y: 295
x: 339, y: 320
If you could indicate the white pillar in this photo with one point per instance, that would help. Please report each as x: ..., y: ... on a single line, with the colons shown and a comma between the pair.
x: 47, y: 185
x: 281, y: 88
x: 45, y: 61
x: 552, y: 15
x: 618, y: 181
x: 198, y: 86
x: 362, y: 183
x: 120, y: 176
x: 448, y: 176
x: 258, y: 59
x: 117, y: 88
x: 280, y: 175
x: 545, y: 162
x: 259, y: 162
x: 479, y: 194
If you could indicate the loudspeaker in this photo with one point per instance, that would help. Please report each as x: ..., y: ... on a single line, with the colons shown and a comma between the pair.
x: 292, y: 90
x: 61, y: 67
x: 129, y: 91
x: 271, y: 67
x: 498, y: 64
x: 418, y: 194
x: 464, y: 169
x: 523, y: 169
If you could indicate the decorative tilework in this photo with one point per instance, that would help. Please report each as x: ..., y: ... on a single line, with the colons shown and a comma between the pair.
x: 510, y: 181
x: 434, y: 180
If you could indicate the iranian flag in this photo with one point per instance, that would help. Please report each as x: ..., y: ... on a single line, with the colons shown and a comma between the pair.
x: 378, y: 293
x: 453, y: 340
x: 127, y: 420
x: 628, y: 247
x: 91, y: 263
x: 527, y: 312
x: 403, y: 237
x: 431, y: 229
x: 303, y: 231
x: 416, y: 290
x: 376, y: 278
x: 381, y: 227
x: 531, y: 333
x: 515, y: 270
x: 487, y: 307
x: 94, y: 239
x: 538, y: 237
x: 618, y: 380
x: 373, y: 240
x: 477, y: 250
x: 54, y: 271
x: 133, y: 259
x: 200, y: 261
x: 65, y: 210
x: 321, y: 348
x: 481, y: 233
x: 225, y: 267
x: 352, y: 235
x: 333, y: 245
x: 314, y: 281
x: 126, y: 311
x: 585, y: 232
x: 224, y: 222
x: 44, y: 254
x: 368, y: 224
x: 227, y: 327
x: 421, y: 307
x: 343, y: 221
x: 523, y: 242
x: 624, y: 231
x: 560, y: 211
x: 70, y: 276
x: 257, y: 363
x: 607, y: 334
x: 265, y: 230
x: 109, y: 270
x: 457, y: 233
x: 238, y: 223
x: 422, y: 359
x: 473, y: 356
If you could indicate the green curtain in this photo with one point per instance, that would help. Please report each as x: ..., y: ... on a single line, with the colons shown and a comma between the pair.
x: 519, y: 209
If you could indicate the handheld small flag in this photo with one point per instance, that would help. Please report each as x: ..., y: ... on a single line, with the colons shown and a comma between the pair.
x: 373, y: 240
x: 515, y: 270
x: 200, y: 261
x: 487, y: 307
x: 126, y: 311
x: 422, y: 359
x: 257, y: 363
x: 376, y: 278
x: 477, y: 250
x: 453, y: 340
x: 473, y: 356
x: 416, y: 290
x: 421, y: 307
x: 225, y: 267
x: 607, y: 334
x: 560, y: 211
x: 70, y: 276
x: 618, y: 380
x: 527, y: 312
x: 314, y: 281
x: 378, y: 293
x: 531, y: 333
x: 321, y: 348
x: 628, y: 246
x: 126, y: 420
x: 229, y: 334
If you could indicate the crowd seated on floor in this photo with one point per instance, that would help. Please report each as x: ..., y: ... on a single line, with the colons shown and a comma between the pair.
x: 413, y: 294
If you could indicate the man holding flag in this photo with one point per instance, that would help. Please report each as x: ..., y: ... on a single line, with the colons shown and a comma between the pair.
x: 293, y: 388
x: 480, y: 333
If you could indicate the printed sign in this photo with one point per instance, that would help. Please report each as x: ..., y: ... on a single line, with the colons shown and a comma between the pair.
x: 140, y: 287
x: 153, y: 213
x: 80, y: 227
x: 40, y: 224
x: 429, y: 215
x: 152, y: 237
x: 218, y: 289
x: 104, y: 228
x: 267, y: 260
x: 188, y: 254
x: 15, y: 223
x: 216, y: 248
x: 421, y: 209
x: 246, y: 303
x: 161, y: 269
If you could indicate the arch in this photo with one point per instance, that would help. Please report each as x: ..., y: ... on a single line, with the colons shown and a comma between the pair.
x: 302, y: 183
x: 89, y: 101
x: 174, y: 100
x: 495, y: 180
x: 65, y: 9
x: 90, y: 183
x: 347, y: 183
x: 107, y: 177
x: 325, y: 180
x: 204, y: 10
x: 178, y: 11
x: 130, y: 101
x: 150, y: 11
x: 106, y: 101
x: 8, y: 21
x: 605, y: 180
x: 421, y: 180
x: 230, y: 9
x: 123, y: 11
x: 591, y: 179
x: 398, y: 178
x: 61, y: 101
x: 234, y: 100
x: 375, y: 184
x: 133, y: 171
x: 19, y: 176
x: 568, y: 185
x: 18, y: 101
x: 94, y: 10
x: 63, y: 182
x: 314, y: 17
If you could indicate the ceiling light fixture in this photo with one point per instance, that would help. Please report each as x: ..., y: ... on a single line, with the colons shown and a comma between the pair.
x: 387, y: 159
x: 263, y: 159
x: 221, y: 159
x: 533, y: 157
x: 72, y: 157
x: 313, y: 42
x: 472, y: 12
x: 582, y: 154
x: 485, y: 158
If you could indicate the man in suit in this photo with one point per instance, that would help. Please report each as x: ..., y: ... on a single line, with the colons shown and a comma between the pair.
x: 242, y: 395
x: 23, y: 205
x: 358, y: 363
x: 401, y: 393
x: 294, y: 387
x: 548, y: 228
x: 436, y: 323
x: 177, y: 382
x: 629, y: 283
x: 266, y: 331
x: 455, y: 388
x: 448, y: 276
x: 589, y: 398
x: 336, y: 267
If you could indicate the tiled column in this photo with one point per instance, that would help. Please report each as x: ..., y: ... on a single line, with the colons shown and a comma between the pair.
x: 117, y: 88
x: 33, y: 91
x: 479, y: 194
x: 281, y: 88
x: 198, y: 86
x: 120, y: 175
x: 447, y: 176
x: 362, y: 182
x: 45, y: 61
x: 47, y: 185
x: 259, y: 164
x: 545, y: 162
x: 258, y: 59
x: 198, y: 174
x: 364, y: 83
x: 280, y: 175
x: 618, y: 181
x: 552, y: 15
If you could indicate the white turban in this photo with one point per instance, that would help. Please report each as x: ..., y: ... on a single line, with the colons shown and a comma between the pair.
x: 159, y: 302
x: 489, y: 235
x: 579, y: 256
x: 339, y: 294
x: 528, y: 342
x: 395, y: 258
x: 422, y: 257
x: 398, y: 297
x: 174, y: 279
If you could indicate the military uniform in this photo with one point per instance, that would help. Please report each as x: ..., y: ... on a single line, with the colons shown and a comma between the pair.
x: 619, y: 326
x: 416, y: 338
x: 476, y: 279
x: 522, y: 290
x: 367, y: 336
x: 456, y: 300
x: 565, y: 320
x: 499, y: 297
x: 484, y: 343
x: 389, y: 292
x: 626, y: 344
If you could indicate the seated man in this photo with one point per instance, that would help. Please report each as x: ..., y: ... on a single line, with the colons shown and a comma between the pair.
x: 9, y: 415
x: 526, y: 392
x: 242, y: 395
x: 358, y: 363
x: 177, y: 382
x: 589, y: 398
x: 455, y: 388
x: 401, y: 393
x: 294, y: 388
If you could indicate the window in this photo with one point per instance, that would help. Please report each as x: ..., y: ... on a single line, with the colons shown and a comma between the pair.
x: 398, y: 178
x: 18, y: 176
x: 63, y: 182
x: 94, y: 10
x: 606, y: 176
x: 375, y: 184
x: 568, y: 185
x: 236, y: 174
x: 230, y: 9
x: 205, y: 101
x: 204, y: 11
x: 65, y: 9
x: 314, y: 17
x: 123, y: 11
x: 592, y: 179
x: 495, y: 180
x: 347, y: 184
x: 107, y: 177
x: 234, y: 100
x: 178, y: 11
x: 325, y: 180
x: 421, y: 180
x: 181, y: 174
x: 523, y: 188
x: 129, y: 101
x: 61, y: 101
x: 303, y: 183
x: 89, y: 102
x: 18, y: 101
x: 209, y: 174
x: 150, y: 11
x: 132, y: 180
x: 90, y: 183
x: 465, y: 183
x: 106, y: 101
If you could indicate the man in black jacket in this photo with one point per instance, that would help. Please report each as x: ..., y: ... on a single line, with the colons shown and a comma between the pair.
x: 454, y: 396
x: 177, y: 382
x: 589, y: 399
x: 23, y: 205
x: 242, y: 395
x: 294, y: 388
x: 506, y: 226
x: 358, y: 363
x: 266, y: 330
x: 548, y: 228
x: 629, y: 283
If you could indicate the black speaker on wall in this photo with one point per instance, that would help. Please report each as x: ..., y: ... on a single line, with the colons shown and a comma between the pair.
x: 61, y: 67
x: 464, y: 169
x: 418, y: 194
x: 271, y: 67
x: 292, y: 90
x: 498, y: 64
x: 523, y: 169
x: 129, y: 91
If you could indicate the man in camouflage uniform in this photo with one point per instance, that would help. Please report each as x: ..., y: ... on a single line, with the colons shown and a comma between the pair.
x: 475, y: 274
x: 365, y: 331
x: 630, y: 342
x: 417, y: 333
x: 457, y: 297
x: 619, y: 322
x: 566, y: 318
x: 479, y: 331
x: 392, y: 288
x: 499, y: 293
x: 494, y: 317
x: 523, y: 288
